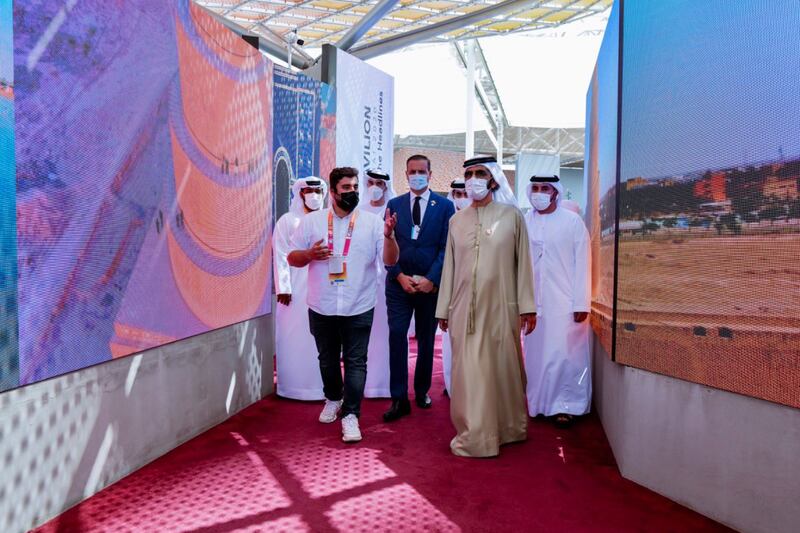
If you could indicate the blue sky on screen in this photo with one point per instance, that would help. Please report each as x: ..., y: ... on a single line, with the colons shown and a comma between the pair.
x: 709, y: 85
x: 6, y: 44
x: 608, y: 79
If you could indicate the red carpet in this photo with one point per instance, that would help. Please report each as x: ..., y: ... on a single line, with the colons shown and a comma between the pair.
x: 273, y: 467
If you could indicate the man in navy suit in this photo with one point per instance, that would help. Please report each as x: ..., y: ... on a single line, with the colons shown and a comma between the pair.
x: 423, y: 218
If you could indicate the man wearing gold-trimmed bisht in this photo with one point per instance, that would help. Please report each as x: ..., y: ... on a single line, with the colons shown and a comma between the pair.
x: 485, y: 297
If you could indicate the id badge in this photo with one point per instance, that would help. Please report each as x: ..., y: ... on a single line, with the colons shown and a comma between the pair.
x: 335, y: 264
x: 337, y: 279
x: 414, y: 233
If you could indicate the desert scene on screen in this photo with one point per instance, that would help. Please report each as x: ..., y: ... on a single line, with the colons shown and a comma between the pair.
x: 709, y: 272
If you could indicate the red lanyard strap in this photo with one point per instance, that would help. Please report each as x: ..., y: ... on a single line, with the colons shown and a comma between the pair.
x: 349, y: 236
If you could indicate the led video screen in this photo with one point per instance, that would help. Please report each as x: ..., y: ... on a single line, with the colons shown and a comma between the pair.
x: 600, y: 176
x: 143, y: 179
x: 9, y: 355
x: 304, y: 130
x: 709, y: 228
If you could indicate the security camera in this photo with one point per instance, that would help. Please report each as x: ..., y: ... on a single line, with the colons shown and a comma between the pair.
x: 292, y: 38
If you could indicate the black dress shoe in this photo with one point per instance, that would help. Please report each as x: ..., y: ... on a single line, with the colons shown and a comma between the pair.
x: 424, y: 402
x: 399, y: 409
x: 563, y: 421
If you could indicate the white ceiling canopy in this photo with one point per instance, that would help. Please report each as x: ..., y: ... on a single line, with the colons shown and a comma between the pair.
x: 538, y: 55
x: 327, y: 21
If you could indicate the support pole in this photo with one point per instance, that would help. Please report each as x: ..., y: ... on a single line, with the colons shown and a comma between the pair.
x: 363, y: 26
x: 499, y: 122
x: 469, y: 145
x: 396, y: 42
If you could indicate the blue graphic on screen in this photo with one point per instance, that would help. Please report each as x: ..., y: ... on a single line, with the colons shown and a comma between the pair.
x: 299, y: 114
x: 9, y: 354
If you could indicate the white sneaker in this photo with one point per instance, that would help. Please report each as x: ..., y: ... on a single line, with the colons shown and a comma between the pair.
x: 350, y: 430
x: 329, y: 412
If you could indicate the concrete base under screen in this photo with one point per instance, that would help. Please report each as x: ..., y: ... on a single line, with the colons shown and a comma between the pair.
x: 64, y: 439
x: 733, y: 458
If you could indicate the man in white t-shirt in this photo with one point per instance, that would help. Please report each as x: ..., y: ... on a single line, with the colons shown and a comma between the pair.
x: 340, y: 246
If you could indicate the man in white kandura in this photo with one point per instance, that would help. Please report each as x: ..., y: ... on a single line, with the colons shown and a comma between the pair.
x: 557, y: 353
x: 295, y: 350
x: 458, y: 195
x: 379, y: 192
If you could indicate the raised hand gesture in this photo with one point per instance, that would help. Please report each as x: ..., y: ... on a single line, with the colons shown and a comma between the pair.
x: 389, y: 223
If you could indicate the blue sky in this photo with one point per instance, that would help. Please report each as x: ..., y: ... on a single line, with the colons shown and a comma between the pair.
x: 709, y: 84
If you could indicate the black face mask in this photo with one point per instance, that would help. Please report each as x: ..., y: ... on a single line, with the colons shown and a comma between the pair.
x: 348, y: 200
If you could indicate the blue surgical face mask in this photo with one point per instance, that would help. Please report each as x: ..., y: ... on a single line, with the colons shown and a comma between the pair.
x: 463, y: 203
x: 540, y: 200
x: 417, y: 182
x: 477, y: 188
x: 313, y: 200
x: 375, y: 193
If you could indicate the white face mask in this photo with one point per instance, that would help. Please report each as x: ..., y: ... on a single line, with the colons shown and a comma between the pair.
x: 540, y: 200
x: 417, y: 182
x: 375, y: 193
x: 462, y: 203
x: 313, y: 200
x: 477, y: 188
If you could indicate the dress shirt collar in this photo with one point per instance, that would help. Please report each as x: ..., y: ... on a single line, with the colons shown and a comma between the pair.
x: 424, y: 196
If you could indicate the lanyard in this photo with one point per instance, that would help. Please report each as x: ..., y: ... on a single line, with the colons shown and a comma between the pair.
x: 349, y: 232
